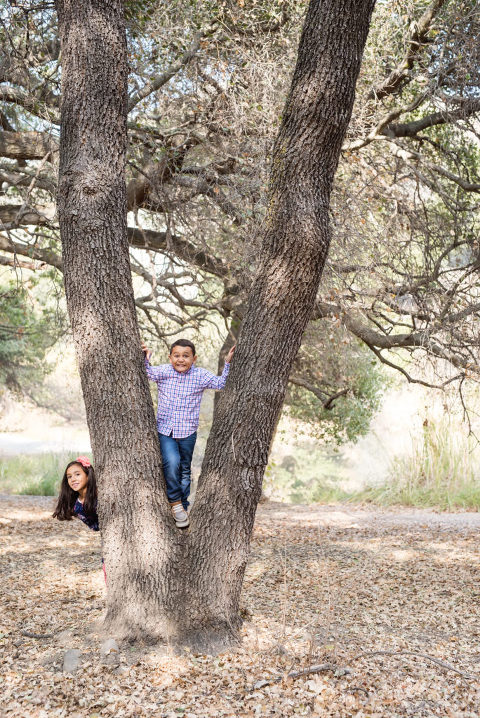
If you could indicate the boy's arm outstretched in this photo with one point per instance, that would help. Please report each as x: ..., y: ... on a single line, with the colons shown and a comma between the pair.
x: 218, y: 382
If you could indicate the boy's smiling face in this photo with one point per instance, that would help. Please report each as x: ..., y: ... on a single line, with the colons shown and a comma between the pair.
x: 181, y: 358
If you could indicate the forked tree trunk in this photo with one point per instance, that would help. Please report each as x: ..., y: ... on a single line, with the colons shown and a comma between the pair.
x: 185, y: 586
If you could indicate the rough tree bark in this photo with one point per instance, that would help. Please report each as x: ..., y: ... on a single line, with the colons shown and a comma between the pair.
x: 136, y: 527
x: 295, y: 246
x: 163, y: 583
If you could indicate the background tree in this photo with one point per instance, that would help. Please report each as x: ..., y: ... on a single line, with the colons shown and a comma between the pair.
x: 206, y: 89
x: 29, y: 326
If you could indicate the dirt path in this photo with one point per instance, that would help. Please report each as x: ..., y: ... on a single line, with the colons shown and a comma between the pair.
x: 325, y: 585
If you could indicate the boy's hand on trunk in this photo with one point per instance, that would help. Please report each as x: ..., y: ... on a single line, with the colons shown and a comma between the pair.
x: 146, y: 351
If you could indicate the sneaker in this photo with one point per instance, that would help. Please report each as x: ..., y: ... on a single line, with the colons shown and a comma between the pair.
x: 180, y: 516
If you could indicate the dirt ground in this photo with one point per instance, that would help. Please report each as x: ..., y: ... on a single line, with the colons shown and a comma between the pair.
x: 385, y: 602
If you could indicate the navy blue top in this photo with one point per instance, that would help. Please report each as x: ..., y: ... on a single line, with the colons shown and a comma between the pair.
x: 90, y: 521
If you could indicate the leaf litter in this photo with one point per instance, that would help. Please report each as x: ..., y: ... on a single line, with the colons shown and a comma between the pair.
x: 352, y: 611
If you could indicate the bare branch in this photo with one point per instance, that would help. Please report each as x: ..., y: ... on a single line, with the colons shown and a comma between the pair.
x: 15, y: 262
x: 182, y: 248
x: 418, y: 39
x: 385, y: 122
x: 410, y: 129
x: 166, y: 76
x: 442, y: 664
x: 214, y: 193
x: 17, y: 215
x: 438, y: 170
x: 28, y: 250
x: 29, y: 102
x: 375, y: 340
x: 326, y: 399
x: 26, y: 145
x: 22, y: 176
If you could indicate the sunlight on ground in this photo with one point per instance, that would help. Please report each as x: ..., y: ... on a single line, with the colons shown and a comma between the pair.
x: 324, y: 586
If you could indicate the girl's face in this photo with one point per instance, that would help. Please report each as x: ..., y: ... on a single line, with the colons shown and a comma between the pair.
x: 77, y: 478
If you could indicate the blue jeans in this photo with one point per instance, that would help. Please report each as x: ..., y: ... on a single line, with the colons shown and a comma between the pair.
x: 177, y: 463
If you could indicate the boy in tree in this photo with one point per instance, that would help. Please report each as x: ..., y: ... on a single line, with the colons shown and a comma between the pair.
x: 180, y: 390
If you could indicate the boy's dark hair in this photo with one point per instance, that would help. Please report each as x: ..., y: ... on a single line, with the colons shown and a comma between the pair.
x: 183, y: 343
x: 67, y: 496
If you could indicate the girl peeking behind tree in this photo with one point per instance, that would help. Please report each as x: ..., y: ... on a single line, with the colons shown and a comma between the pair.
x: 78, y: 495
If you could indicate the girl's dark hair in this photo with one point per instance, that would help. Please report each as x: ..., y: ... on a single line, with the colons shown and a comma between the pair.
x: 67, y: 496
x: 183, y: 343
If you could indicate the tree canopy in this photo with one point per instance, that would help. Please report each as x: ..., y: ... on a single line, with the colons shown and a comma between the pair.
x: 206, y: 89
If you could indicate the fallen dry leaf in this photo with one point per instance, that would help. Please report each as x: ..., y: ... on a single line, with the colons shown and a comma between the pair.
x: 325, y: 585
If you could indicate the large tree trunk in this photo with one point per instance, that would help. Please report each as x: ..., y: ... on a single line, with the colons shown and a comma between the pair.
x: 164, y: 583
x: 295, y: 246
x: 138, y: 534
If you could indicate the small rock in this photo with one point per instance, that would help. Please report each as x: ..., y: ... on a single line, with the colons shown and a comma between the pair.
x: 122, y: 670
x: 71, y: 660
x: 109, y: 646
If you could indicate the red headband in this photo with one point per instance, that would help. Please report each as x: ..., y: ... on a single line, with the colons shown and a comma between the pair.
x: 84, y: 461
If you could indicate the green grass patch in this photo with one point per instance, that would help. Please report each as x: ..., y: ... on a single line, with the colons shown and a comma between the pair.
x: 446, y: 498
x: 34, y: 474
x: 441, y: 471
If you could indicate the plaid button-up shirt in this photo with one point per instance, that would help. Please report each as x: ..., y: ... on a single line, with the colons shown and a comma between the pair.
x: 180, y: 395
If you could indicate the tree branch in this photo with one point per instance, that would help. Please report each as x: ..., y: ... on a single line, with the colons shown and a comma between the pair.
x: 183, y: 249
x: 166, y: 76
x: 22, y: 177
x: 377, y: 341
x: 442, y: 664
x: 418, y: 38
x: 29, y: 102
x: 410, y: 129
x: 28, y: 250
x: 26, y: 145
x: 5, y: 123
x: 15, y: 262
x: 326, y: 399
x: 383, y: 124
x: 214, y: 193
x: 154, y: 174
x: 438, y: 170
x: 17, y: 215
